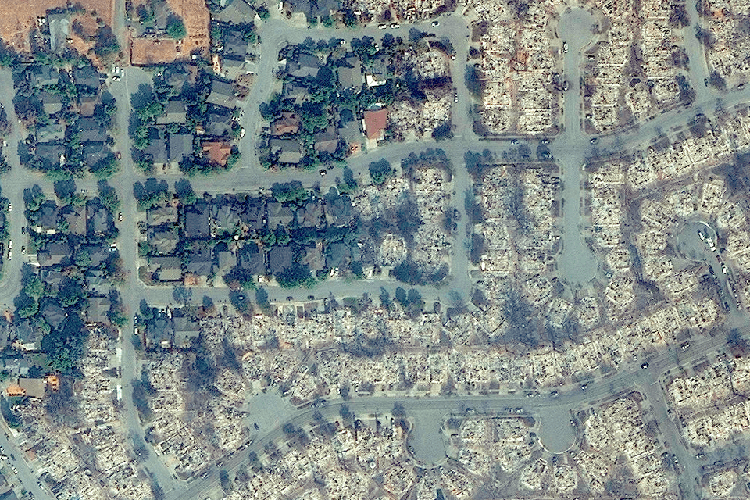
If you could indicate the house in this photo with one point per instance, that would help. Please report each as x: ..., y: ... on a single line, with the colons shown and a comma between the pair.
x: 159, y: 332
x: 75, y: 219
x: 306, y: 65
x: 47, y: 216
x: 174, y: 112
x: 28, y: 337
x: 40, y: 76
x: 59, y: 30
x: 51, y: 132
x: 313, y: 8
x: 336, y: 255
x: 222, y: 94
x: 349, y: 131
x: 97, y: 283
x: 51, y: 153
x: 53, y: 314
x: 289, y: 150
x: 219, y: 121
x: 235, y: 44
x: 233, y: 10
x: 16, y: 367
x: 254, y: 214
x: 97, y: 254
x: 227, y: 260
x: 186, y: 330
x: 99, y: 220
x: 52, y: 103
x: 280, y: 259
x: 97, y: 310
x: 196, y: 223
x: 287, y: 124
x: 314, y: 259
x: 350, y: 76
x: 217, y: 152
x: 375, y: 123
x: 311, y: 215
x: 294, y: 93
x: 163, y: 215
x: 279, y: 214
x: 157, y: 148
x: 87, y: 77
x: 326, y: 141
x: 55, y: 254
x: 166, y: 268
x: 32, y: 387
x: 339, y: 210
x: 180, y: 146
x: 95, y: 153
x: 163, y: 241
x: 201, y: 259
x: 87, y: 105
x: 225, y: 215
x: 52, y: 279
x: 89, y: 130
x: 252, y: 259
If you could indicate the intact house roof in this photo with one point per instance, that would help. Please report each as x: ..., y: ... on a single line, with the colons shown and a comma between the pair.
x: 162, y: 215
x: 174, y: 112
x: 87, y: 76
x: 201, y: 259
x: 54, y: 254
x: 157, y: 148
x: 279, y: 259
x: 89, y: 130
x: 180, y: 146
x: 97, y: 309
x: 375, y: 123
x: 287, y: 124
x: 252, y: 259
x: 217, y: 151
x: 163, y: 241
x: 289, y: 150
x: 197, y: 220
x: 279, y: 214
x: 222, y: 94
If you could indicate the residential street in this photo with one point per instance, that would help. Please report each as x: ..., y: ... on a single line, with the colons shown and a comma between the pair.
x: 571, y: 149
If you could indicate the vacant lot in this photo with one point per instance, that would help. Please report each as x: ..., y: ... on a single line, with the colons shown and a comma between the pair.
x: 15, y: 23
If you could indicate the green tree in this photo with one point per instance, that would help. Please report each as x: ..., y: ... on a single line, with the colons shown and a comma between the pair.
x: 176, y: 28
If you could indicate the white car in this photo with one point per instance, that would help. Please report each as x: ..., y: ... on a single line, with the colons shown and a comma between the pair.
x: 10, y: 207
x: 10, y: 245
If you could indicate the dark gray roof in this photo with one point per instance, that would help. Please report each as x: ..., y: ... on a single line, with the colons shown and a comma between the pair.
x: 336, y: 254
x: 254, y: 213
x: 44, y: 75
x: 89, y: 130
x: 197, y: 221
x: 55, y: 253
x: 53, y: 314
x: 235, y: 10
x: 87, y: 76
x: 252, y: 259
x: 305, y: 65
x: 50, y: 152
x: 94, y: 152
x: 201, y: 259
x: 279, y: 259
x: 222, y: 94
x: 174, y: 112
x: 180, y: 146
x: 279, y: 214
x: 219, y: 121
x: 158, y: 146
x: 48, y: 213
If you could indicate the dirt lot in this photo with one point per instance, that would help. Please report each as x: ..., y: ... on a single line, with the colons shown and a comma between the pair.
x: 15, y: 23
x: 145, y: 51
x: 197, y: 19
